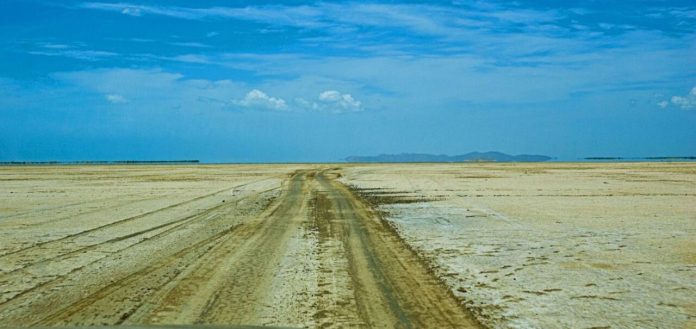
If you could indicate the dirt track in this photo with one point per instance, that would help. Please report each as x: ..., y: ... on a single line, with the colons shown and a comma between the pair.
x: 307, y: 253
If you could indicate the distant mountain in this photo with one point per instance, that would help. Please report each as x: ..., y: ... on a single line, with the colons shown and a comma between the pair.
x: 469, y: 157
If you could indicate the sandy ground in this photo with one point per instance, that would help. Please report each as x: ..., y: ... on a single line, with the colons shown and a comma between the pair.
x: 284, y: 246
x: 550, y: 245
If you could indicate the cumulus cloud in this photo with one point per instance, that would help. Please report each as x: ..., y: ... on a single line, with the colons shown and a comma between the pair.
x: 687, y: 102
x: 258, y: 99
x: 334, y: 101
x: 115, y: 99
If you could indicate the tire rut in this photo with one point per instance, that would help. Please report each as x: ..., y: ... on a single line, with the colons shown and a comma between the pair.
x: 133, y: 287
x: 237, y: 271
x: 18, y: 277
x: 67, y: 238
x: 250, y: 269
x: 393, y: 287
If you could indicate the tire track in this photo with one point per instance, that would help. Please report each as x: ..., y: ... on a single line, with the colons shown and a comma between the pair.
x: 133, y: 282
x: 65, y: 239
x: 175, y: 224
x: 6, y: 278
x: 336, y: 302
x: 29, y: 307
x: 219, y: 267
x: 118, y: 302
x: 36, y: 211
x: 91, y: 212
x: 393, y: 287
x: 186, y: 300
x: 250, y: 271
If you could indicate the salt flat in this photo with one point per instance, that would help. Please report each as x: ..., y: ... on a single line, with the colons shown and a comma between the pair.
x: 543, y: 245
x: 553, y: 245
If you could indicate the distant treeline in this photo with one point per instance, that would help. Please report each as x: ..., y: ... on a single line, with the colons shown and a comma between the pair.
x: 20, y: 163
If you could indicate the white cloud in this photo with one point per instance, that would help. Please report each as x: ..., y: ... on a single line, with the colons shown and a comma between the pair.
x: 155, y: 90
x: 333, y: 101
x: 49, y: 45
x: 136, y: 10
x: 684, y: 13
x: 190, y: 58
x: 190, y: 44
x: 73, y: 50
x: 281, y: 15
x: 123, y: 81
x: 687, y: 102
x: 258, y: 99
x: 115, y: 99
x: 88, y: 55
x: 166, y: 90
x: 473, y: 78
x: 423, y: 19
x: 132, y: 11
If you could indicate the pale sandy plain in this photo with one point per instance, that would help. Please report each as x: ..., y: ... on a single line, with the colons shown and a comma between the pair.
x: 547, y: 245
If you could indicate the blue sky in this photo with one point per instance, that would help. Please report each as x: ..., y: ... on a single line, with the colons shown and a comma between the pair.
x: 318, y: 81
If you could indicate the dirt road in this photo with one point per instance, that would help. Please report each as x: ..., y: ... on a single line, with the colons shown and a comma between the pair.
x: 307, y: 254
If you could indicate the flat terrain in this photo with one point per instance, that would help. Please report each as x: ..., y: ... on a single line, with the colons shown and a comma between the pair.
x: 206, y: 245
x: 549, y: 245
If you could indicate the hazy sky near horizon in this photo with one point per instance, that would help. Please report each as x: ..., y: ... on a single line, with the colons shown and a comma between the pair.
x: 238, y: 81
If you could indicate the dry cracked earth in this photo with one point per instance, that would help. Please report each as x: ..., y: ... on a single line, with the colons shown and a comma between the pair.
x: 381, y: 246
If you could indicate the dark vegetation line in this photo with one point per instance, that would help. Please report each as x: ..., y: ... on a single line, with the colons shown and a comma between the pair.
x: 20, y: 163
x: 383, y: 158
